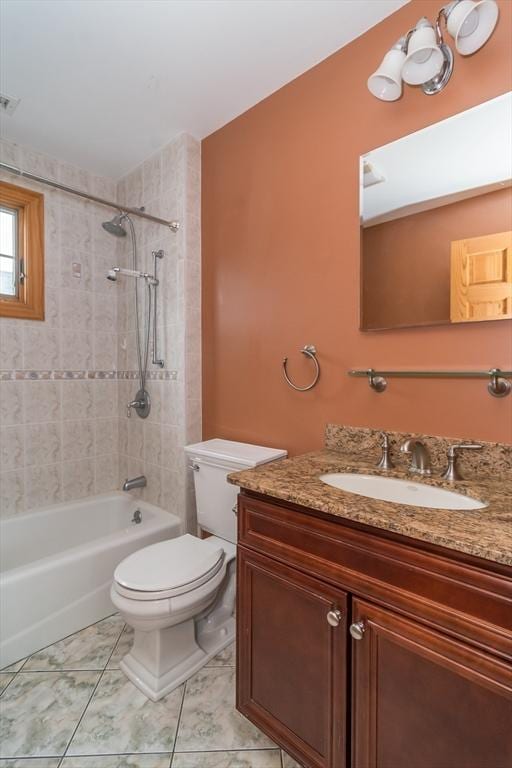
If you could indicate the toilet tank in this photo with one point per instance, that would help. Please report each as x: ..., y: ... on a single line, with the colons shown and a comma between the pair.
x: 212, y: 461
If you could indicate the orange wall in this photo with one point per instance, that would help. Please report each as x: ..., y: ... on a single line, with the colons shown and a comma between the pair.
x: 406, y: 262
x: 280, y: 218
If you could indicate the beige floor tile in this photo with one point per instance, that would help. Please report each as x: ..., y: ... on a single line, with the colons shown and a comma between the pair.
x: 40, y: 710
x: 209, y: 720
x: 88, y: 649
x: 120, y: 719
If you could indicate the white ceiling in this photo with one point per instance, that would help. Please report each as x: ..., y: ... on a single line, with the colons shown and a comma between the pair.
x: 459, y: 157
x: 105, y: 83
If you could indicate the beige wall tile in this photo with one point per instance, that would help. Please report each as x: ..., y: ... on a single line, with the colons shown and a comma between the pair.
x: 12, y: 448
x: 77, y: 440
x: 77, y: 399
x: 41, y: 347
x: 77, y: 479
x: 11, y: 402
x: 11, y: 345
x: 43, y: 444
x: 12, y: 493
x: 43, y: 485
x: 42, y: 400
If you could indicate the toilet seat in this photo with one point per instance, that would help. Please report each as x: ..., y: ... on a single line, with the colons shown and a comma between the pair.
x: 169, y: 568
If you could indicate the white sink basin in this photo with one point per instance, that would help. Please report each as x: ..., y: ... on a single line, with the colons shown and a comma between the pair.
x: 400, y: 491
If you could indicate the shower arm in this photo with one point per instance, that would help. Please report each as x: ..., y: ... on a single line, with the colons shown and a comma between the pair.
x: 135, y: 273
x: 156, y: 256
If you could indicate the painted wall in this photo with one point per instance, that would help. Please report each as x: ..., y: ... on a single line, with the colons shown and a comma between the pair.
x: 280, y: 219
x: 406, y: 262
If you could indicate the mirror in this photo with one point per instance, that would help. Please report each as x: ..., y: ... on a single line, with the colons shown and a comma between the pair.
x: 436, y: 221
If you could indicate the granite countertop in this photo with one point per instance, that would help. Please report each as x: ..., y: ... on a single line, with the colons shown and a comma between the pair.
x: 485, y: 533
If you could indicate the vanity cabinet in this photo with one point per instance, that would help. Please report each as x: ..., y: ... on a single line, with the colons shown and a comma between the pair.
x: 359, y: 648
x: 421, y: 699
x: 292, y: 657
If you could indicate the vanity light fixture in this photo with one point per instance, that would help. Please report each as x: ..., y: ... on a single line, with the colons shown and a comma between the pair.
x: 421, y: 57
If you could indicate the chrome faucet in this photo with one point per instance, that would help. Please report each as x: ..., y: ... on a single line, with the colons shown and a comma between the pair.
x: 420, y: 457
x: 452, y: 473
x: 134, y: 482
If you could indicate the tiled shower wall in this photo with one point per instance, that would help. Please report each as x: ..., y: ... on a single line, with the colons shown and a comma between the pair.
x: 167, y: 184
x: 58, y: 436
x: 63, y: 385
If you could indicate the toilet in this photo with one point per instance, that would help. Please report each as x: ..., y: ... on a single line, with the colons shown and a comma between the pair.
x: 179, y: 594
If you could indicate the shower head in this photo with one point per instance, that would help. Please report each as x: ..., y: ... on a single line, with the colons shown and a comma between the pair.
x: 115, y: 226
x: 115, y: 271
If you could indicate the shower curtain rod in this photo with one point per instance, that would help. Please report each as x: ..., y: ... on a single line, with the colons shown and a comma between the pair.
x: 174, y: 225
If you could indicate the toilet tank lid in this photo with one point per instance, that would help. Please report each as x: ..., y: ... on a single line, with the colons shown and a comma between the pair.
x: 229, y: 451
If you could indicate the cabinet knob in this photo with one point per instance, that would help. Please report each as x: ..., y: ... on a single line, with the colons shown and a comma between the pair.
x: 357, y: 630
x: 334, y: 617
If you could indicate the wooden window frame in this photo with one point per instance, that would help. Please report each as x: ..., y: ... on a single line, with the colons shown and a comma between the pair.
x: 29, y: 302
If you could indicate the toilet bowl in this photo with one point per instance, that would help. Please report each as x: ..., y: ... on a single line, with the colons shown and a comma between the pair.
x: 179, y: 595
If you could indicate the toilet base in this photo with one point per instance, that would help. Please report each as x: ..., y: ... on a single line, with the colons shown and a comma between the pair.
x: 162, y: 659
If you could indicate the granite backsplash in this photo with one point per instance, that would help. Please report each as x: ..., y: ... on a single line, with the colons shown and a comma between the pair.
x: 494, y: 460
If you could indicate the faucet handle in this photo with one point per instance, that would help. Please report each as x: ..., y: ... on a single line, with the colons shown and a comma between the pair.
x: 454, y: 449
x: 452, y: 472
x: 385, y: 460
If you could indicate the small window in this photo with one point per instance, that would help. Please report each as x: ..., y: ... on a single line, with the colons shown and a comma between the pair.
x: 21, y: 253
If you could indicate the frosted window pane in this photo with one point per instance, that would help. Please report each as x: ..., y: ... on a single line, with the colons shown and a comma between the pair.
x: 7, y: 276
x: 7, y: 232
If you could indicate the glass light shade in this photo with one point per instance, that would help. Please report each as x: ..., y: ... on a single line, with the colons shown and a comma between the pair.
x: 386, y: 81
x: 471, y: 23
x: 424, y: 57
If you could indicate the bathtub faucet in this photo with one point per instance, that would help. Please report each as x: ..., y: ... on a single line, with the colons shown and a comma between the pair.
x: 134, y: 482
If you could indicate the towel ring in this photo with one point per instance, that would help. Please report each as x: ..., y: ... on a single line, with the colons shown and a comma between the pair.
x: 310, y: 351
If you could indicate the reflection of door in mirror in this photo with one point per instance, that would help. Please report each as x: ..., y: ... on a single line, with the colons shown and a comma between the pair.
x: 481, y: 278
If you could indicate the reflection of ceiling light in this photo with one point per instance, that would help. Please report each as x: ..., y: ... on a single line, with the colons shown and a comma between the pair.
x: 371, y: 175
x: 8, y: 104
x: 421, y: 57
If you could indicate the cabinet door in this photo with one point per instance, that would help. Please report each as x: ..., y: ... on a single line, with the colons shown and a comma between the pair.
x: 291, y: 661
x: 422, y: 700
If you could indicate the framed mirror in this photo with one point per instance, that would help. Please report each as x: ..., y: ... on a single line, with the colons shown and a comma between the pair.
x: 436, y: 223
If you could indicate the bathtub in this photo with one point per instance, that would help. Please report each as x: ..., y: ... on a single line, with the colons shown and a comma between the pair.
x: 57, y: 565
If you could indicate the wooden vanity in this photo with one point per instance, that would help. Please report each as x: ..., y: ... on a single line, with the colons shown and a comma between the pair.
x: 362, y: 647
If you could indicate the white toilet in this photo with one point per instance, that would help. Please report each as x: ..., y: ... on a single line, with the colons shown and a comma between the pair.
x: 179, y: 595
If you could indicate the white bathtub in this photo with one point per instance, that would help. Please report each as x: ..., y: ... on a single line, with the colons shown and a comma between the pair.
x: 57, y: 565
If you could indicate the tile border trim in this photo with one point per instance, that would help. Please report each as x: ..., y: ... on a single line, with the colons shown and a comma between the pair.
x: 61, y: 375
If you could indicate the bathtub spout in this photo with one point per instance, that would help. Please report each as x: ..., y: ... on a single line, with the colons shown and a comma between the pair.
x: 135, y: 482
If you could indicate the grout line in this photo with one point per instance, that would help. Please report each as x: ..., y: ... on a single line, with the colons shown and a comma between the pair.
x: 39, y: 650
x: 14, y: 675
x: 220, y: 750
x: 91, y: 697
x: 81, y: 718
x: 178, y: 722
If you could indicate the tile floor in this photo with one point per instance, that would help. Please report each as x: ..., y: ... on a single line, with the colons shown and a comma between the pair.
x: 69, y: 706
